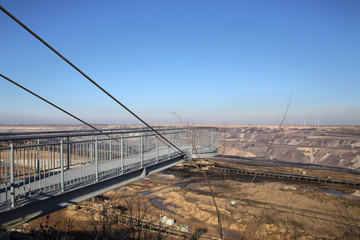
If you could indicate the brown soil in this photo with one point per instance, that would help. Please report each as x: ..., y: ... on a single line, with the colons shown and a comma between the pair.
x: 262, y: 209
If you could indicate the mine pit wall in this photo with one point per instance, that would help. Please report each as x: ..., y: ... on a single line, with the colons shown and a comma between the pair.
x: 318, y: 145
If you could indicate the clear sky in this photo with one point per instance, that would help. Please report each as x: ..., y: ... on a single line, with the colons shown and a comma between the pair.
x: 211, y: 62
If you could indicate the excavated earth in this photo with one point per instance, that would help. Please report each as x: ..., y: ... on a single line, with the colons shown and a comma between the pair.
x: 328, y: 146
x: 260, y: 208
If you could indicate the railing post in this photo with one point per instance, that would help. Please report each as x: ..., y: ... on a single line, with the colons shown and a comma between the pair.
x: 96, y: 161
x: 91, y: 150
x: 38, y: 162
x: 212, y: 139
x: 194, y: 138
x: 12, y: 176
x: 110, y: 148
x: 179, y: 139
x: 141, y: 151
x: 169, y: 145
x: 68, y: 153
x: 62, y: 165
x: 216, y: 138
x: 156, y: 149
x: 122, y: 154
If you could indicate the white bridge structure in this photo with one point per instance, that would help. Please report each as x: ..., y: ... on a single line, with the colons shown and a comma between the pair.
x: 41, y: 172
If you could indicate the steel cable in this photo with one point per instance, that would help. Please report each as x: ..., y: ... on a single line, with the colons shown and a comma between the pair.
x: 54, y: 105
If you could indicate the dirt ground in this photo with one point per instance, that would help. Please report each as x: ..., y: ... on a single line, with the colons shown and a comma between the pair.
x: 263, y: 209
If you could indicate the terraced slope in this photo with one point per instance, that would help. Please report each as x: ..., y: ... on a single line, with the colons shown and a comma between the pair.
x: 329, y: 146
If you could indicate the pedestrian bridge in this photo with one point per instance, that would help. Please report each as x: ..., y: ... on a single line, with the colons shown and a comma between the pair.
x: 41, y: 172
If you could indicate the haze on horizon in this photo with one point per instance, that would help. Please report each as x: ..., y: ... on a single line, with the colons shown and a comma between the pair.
x: 211, y: 62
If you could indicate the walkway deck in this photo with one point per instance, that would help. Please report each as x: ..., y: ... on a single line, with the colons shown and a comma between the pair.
x: 43, y: 172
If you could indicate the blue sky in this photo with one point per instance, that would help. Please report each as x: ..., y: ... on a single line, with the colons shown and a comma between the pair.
x: 211, y: 62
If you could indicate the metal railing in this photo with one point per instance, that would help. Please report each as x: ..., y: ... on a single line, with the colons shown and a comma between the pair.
x: 38, y: 165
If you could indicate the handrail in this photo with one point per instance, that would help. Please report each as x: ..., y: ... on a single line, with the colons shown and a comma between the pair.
x: 80, y: 133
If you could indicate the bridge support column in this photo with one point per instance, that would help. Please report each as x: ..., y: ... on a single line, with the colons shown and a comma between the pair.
x: 144, y: 173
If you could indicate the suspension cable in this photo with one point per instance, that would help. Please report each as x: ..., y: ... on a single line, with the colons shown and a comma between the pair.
x: 52, y: 104
x: 86, y: 76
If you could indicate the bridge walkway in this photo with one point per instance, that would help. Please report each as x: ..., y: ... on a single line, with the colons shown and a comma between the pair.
x: 43, y: 172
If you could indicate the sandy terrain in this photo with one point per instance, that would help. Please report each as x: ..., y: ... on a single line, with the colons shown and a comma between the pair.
x: 263, y: 209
